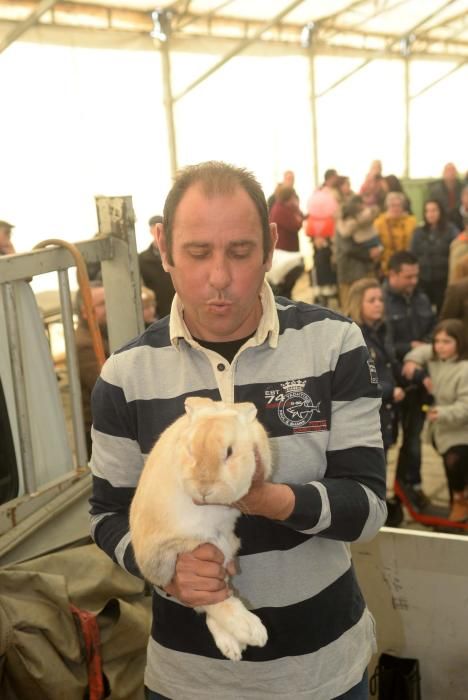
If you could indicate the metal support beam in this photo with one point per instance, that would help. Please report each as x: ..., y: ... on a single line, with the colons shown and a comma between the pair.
x: 169, y: 105
x: 439, y: 80
x: 388, y: 46
x: 196, y: 18
x: 79, y: 438
x: 313, y: 112
x: 239, y: 48
x: 29, y: 22
x: 407, y: 130
x: 21, y: 402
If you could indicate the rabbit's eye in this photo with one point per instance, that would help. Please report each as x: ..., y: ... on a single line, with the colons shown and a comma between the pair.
x: 228, y: 452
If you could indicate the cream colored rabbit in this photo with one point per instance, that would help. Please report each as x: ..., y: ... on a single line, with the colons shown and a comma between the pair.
x: 201, y: 464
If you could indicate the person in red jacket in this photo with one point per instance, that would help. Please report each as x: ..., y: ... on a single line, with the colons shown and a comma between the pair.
x: 287, y: 216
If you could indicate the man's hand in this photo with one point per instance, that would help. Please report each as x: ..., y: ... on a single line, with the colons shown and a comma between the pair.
x: 398, y: 394
x: 273, y: 501
x: 432, y: 415
x: 200, y: 577
x: 409, y: 369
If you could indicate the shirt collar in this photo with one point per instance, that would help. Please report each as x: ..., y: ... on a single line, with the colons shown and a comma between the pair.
x: 267, y: 328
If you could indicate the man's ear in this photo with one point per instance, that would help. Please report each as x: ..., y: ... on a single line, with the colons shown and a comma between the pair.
x: 161, y: 241
x: 273, y: 239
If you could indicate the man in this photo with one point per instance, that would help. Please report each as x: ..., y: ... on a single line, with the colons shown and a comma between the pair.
x: 6, y: 246
x: 87, y: 362
x: 308, y: 371
x: 288, y: 181
x: 447, y: 191
x: 409, y: 316
x: 153, y: 274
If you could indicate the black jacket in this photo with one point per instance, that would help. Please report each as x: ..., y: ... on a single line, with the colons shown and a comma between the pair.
x: 156, y: 278
x: 408, y: 318
x: 382, y: 351
x: 432, y: 251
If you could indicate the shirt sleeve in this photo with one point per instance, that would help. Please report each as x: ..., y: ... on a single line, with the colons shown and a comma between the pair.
x: 116, y: 464
x: 348, y: 504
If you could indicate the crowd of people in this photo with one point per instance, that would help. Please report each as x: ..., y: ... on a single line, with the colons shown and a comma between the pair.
x: 400, y: 280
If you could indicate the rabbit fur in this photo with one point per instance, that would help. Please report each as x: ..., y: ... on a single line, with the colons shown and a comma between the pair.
x: 201, y: 464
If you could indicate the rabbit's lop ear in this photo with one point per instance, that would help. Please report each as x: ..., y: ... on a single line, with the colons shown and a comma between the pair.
x: 195, y: 403
x: 248, y: 410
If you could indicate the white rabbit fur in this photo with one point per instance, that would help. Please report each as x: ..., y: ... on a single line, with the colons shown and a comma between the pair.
x: 201, y: 464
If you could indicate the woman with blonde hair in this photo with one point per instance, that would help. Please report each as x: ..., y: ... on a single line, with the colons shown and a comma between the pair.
x: 365, y: 306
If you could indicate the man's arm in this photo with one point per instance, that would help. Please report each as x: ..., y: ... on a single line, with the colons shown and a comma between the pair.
x: 349, y: 502
x: 116, y: 464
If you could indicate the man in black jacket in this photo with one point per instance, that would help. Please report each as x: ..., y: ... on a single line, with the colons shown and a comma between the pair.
x: 153, y: 274
x: 409, y: 315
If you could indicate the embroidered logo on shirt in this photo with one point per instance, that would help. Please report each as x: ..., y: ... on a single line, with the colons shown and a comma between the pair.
x: 374, y: 379
x: 295, y: 407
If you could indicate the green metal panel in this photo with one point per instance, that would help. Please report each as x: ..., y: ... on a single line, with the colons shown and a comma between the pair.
x: 417, y: 191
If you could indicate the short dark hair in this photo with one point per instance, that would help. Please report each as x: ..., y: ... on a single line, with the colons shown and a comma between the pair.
x: 329, y: 173
x: 285, y: 193
x: 155, y: 220
x: 79, y: 303
x: 215, y: 177
x: 401, y: 257
x: 455, y: 329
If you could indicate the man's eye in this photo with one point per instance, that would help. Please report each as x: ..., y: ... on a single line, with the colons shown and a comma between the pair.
x: 241, y: 252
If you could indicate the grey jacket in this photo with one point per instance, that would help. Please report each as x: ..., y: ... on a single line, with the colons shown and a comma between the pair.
x: 450, y: 389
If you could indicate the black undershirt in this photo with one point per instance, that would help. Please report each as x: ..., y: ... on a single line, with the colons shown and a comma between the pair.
x: 226, y: 349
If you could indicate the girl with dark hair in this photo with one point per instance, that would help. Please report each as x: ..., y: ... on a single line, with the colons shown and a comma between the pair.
x: 443, y: 369
x: 431, y: 245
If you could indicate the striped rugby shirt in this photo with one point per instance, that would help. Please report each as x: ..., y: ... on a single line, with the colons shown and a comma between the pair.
x: 308, y: 371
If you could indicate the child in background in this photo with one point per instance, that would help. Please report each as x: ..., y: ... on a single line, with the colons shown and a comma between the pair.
x: 443, y: 369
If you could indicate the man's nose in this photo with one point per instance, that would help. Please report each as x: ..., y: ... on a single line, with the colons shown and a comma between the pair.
x: 220, y: 275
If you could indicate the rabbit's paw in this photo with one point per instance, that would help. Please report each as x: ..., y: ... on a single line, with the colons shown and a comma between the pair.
x: 247, y: 628
x: 228, y: 645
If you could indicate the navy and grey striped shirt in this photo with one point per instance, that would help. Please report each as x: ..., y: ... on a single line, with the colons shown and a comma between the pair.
x: 308, y: 371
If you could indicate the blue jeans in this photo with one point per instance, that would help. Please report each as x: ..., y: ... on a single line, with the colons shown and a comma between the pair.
x: 358, y: 692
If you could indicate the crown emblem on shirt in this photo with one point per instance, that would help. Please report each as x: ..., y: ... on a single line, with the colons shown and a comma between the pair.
x: 294, y: 386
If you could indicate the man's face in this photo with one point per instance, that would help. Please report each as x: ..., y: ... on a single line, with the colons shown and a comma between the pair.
x: 405, y: 280
x: 5, y: 242
x: 99, y: 306
x: 450, y: 173
x: 288, y: 178
x: 218, y: 266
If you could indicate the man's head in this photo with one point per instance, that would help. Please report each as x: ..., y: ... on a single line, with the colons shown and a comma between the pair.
x: 288, y: 178
x: 217, y: 245
x: 331, y: 177
x: 403, y: 272
x: 395, y: 204
x: 6, y: 246
x: 449, y: 174
x: 215, y: 178
x: 99, y: 303
x: 286, y: 195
